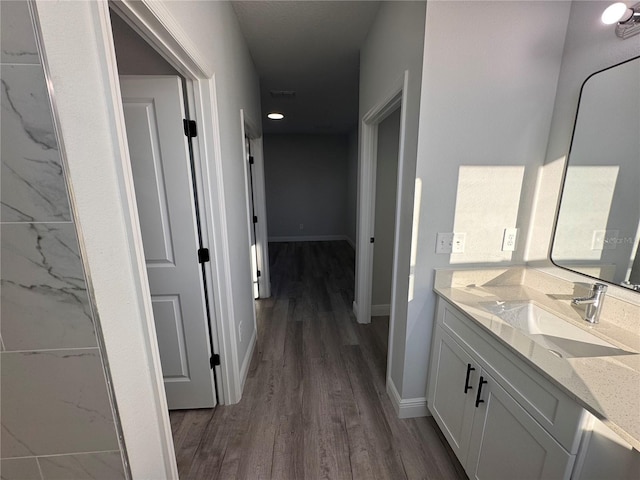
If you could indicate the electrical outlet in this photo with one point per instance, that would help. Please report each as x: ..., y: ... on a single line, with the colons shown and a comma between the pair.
x: 458, y: 242
x: 302, y: 226
x: 509, y: 239
x: 444, y: 243
x: 240, y: 332
x: 604, y: 239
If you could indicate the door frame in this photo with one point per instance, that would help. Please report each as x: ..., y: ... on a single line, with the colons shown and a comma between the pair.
x: 249, y: 130
x: 149, y: 20
x: 367, y: 167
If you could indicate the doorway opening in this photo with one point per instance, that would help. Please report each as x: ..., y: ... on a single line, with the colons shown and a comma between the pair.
x: 391, y: 106
x: 155, y: 100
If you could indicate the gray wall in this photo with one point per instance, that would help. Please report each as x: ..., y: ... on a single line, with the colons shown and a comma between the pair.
x: 306, y: 183
x: 385, y: 213
x: 56, y: 411
x: 134, y: 55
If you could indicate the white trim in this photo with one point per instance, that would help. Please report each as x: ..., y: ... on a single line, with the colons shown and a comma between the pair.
x: 153, y: 22
x: 407, y: 407
x: 260, y: 204
x: 249, y: 129
x: 380, y: 310
x: 309, y: 238
x: 367, y: 164
x: 350, y: 241
x: 246, y: 362
x: 93, y: 131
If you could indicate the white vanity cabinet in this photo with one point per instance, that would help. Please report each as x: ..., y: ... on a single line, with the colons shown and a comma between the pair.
x: 502, y: 419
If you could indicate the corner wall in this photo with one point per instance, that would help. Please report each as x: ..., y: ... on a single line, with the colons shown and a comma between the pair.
x: 393, y: 46
x: 488, y: 92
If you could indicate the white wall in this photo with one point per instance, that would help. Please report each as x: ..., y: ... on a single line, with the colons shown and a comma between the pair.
x: 306, y: 184
x: 385, y: 213
x: 590, y: 47
x: 393, y: 46
x: 487, y: 99
x: 213, y: 27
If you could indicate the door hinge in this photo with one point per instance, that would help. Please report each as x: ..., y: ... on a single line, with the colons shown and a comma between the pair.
x: 250, y: 159
x: 203, y: 255
x: 371, y: 240
x: 255, y: 219
x: 259, y: 273
x: 214, y: 361
x: 190, y: 128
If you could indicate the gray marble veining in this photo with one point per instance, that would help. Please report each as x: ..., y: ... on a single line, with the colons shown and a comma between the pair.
x: 33, y: 184
x: 87, y: 466
x: 54, y: 402
x: 17, y: 43
x: 44, y: 303
x: 19, y: 469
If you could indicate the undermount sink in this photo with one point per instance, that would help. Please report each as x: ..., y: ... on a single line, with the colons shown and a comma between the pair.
x: 558, y: 336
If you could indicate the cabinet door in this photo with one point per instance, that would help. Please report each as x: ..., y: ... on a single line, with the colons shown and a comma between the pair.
x: 507, y: 443
x: 451, y: 407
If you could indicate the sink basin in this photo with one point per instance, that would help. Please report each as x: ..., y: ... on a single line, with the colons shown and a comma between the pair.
x: 560, y: 337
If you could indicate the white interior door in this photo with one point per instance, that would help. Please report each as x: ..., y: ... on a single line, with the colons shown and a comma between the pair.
x: 160, y: 161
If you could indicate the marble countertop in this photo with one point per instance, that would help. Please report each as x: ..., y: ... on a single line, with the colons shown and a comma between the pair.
x: 608, y: 387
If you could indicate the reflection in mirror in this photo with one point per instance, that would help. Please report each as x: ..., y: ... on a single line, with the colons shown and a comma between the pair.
x: 598, y: 226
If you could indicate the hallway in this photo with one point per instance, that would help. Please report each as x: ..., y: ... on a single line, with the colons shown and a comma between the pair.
x: 314, y: 404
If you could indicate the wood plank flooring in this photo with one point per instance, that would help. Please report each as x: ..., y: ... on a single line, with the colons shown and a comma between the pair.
x: 314, y: 403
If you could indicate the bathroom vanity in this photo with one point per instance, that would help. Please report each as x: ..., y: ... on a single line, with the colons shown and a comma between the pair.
x: 522, y: 387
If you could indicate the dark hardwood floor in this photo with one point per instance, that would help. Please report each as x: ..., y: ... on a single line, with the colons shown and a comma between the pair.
x: 314, y: 403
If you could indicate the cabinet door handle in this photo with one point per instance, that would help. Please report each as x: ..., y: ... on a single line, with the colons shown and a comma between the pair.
x: 468, y: 387
x: 482, y: 382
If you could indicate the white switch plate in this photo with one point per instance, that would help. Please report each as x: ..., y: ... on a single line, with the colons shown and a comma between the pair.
x: 444, y: 242
x: 458, y: 242
x: 509, y: 239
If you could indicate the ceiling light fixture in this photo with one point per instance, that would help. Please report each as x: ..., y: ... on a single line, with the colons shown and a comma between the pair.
x: 275, y: 116
x: 627, y: 19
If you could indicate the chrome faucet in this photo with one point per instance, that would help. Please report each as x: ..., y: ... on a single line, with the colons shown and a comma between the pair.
x: 593, y: 302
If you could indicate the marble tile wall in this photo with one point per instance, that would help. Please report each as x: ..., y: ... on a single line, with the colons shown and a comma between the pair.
x: 55, y: 410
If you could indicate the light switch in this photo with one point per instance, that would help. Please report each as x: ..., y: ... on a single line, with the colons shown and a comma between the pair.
x: 444, y: 242
x: 458, y: 242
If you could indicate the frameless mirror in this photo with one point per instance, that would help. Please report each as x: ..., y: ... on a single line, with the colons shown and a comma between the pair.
x: 598, y: 227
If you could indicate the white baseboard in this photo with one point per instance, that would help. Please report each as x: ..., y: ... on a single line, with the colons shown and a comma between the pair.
x: 244, y: 369
x: 350, y: 241
x: 380, y: 310
x: 406, y: 407
x: 309, y: 238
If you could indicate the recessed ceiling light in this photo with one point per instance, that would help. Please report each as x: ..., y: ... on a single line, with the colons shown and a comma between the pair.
x: 275, y: 116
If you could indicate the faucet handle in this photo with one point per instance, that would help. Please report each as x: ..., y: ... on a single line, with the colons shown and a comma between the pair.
x: 599, y: 287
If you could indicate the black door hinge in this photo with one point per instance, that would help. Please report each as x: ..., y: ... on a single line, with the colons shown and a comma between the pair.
x: 214, y: 361
x: 203, y: 255
x: 250, y: 159
x: 371, y: 240
x: 255, y: 219
x: 190, y: 128
x: 259, y: 273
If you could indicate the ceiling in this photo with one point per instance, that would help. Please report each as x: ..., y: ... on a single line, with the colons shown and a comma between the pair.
x: 312, y: 48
